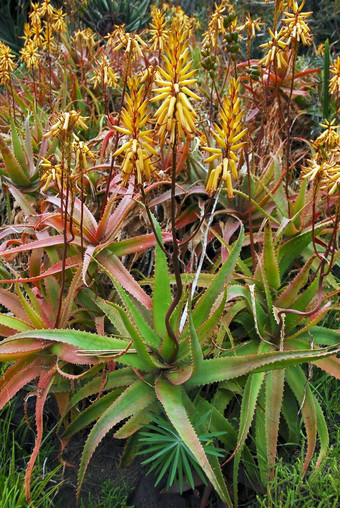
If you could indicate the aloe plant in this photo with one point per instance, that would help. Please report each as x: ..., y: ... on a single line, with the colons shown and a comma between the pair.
x: 143, y: 347
x: 20, y: 166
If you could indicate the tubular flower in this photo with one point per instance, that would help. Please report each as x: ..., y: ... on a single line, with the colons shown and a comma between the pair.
x: 46, y: 9
x: 104, y: 74
x: 276, y: 50
x: 329, y: 138
x: 7, y: 63
x: 326, y: 173
x: 175, y: 114
x: 84, y: 38
x: 334, y: 84
x: 251, y: 25
x: 65, y: 124
x: 324, y: 166
x: 59, y: 25
x: 228, y: 137
x: 215, y: 26
x: 158, y: 32
x: 131, y: 41
x: 331, y: 180
x: 138, y: 148
x: 296, y: 28
x: 35, y: 15
x: 30, y: 54
x: 52, y: 173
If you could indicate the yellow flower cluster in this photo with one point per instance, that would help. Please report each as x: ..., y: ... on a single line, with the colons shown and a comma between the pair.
x: 104, y: 74
x: 7, y: 63
x: 175, y: 116
x: 324, y: 166
x: 138, y: 148
x: 251, y: 26
x: 277, y: 49
x: 228, y: 137
x: 293, y: 32
x: 334, y: 83
x: 296, y: 28
x: 84, y: 39
x: 132, y: 42
x: 65, y: 124
x: 158, y: 32
x: 39, y: 33
x: 52, y: 173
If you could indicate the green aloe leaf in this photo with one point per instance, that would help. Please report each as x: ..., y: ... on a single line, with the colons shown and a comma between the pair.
x: 133, y: 400
x: 220, y: 369
x: 289, y: 295
x: 299, y: 385
x: 196, y: 350
x: 116, y: 379
x: 144, y: 328
x: 170, y: 397
x: 273, y: 402
x: 91, y: 413
x: 14, y: 169
x: 322, y: 433
x: 270, y: 264
x: 14, y: 323
x: 203, y: 308
x: 249, y: 399
x: 88, y: 342
x: 162, y: 297
x: 291, y: 250
x: 17, y: 148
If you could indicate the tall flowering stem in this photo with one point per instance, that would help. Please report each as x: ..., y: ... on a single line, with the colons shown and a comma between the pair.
x: 175, y: 120
x: 63, y: 129
x: 229, y: 139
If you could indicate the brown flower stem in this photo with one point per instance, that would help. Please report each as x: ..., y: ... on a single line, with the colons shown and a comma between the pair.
x: 64, y: 207
x: 206, y: 211
x: 107, y: 190
x: 158, y: 240
x: 250, y: 216
x: 288, y: 125
x: 175, y: 256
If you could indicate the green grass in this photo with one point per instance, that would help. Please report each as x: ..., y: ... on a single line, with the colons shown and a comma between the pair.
x: 111, y: 496
x: 13, y: 462
x: 321, y: 488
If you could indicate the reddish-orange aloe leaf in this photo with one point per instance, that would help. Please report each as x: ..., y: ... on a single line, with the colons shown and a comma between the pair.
x: 44, y: 384
x: 17, y: 376
x: 13, y: 349
x: 330, y: 365
x: 12, y: 303
x: 57, y: 268
x: 125, y: 279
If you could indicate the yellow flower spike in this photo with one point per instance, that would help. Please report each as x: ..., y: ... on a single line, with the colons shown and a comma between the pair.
x: 30, y: 54
x: 329, y: 138
x: 7, y: 63
x: 176, y: 113
x: 138, y: 149
x: 58, y: 23
x: 334, y: 83
x: 132, y: 42
x: 65, y: 125
x: 277, y: 48
x: 228, y: 135
x: 296, y: 28
x: 158, y: 31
